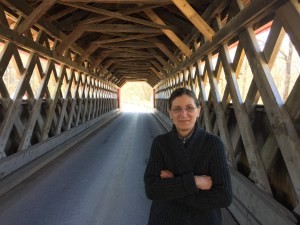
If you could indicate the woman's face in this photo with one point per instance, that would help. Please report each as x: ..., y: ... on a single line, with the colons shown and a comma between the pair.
x: 184, y: 114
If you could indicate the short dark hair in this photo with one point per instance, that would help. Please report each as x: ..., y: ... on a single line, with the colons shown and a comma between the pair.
x: 182, y: 91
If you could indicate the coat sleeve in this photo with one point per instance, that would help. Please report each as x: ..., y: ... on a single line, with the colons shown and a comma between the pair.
x: 165, y: 189
x: 220, y: 195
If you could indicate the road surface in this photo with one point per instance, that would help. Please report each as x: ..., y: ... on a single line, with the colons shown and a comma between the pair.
x: 97, y: 182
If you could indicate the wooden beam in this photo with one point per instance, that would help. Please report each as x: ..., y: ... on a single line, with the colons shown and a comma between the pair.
x: 167, y: 52
x: 157, y: 73
x: 70, y: 39
x: 29, y: 127
x: 280, y: 121
x: 35, y: 15
x: 14, y: 106
x: 154, y: 75
x: 289, y: 16
x: 90, y: 50
x: 128, y: 44
x: 120, y: 39
x: 184, y: 26
x: 122, y: 28
x: 99, y: 60
x: 123, y: 1
x: 159, y: 58
x: 138, y: 53
x: 3, y: 19
x: 293, y: 101
x: 195, y: 18
x: 202, y: 96
x: 118, y: 15
x: 251, y: 14
x: 220, y: 112
x: 25, y: 9
x: 108, y: 64
x: 245, y: 127
x: 60, y: 14
x: 159, y: 67
x: 137, y: 9
x: 171, y: 35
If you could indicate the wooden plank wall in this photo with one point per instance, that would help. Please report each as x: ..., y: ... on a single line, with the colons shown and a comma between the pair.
x: 260, y: 128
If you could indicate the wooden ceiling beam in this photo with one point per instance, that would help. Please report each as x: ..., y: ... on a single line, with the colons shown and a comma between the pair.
x: 71, y: 21
x: 195, y: 18
x: 128, y: 50
x: 124, y: 12
x: 158, y: 66
x: 170, y: 34
x: 123, y: 71
x: 121, y: 82
x: 89, y: 51
x: 123, y: 1
x: 131, y: 69
x: 70, y: 39
x: 99, y: 60
x: 134, y: 70
x: 129, y: 44
x: 125, y: 55
x: 158, y: 74
x: 140, y: 63
x: 122, y: 28
x: 25, y: 9
x: 137, y: 59
x: 35, y: 15
x: 129, y: 37
x: 170, y: 18
x: 118, y: 15
x: 135, y: 66
x: 60, y: 14
x: 154, y: 75
x: 167, y: 52
x: 108, y: 64
x: 133, y: 73
x: 249, y: 15
x: 158, y: 57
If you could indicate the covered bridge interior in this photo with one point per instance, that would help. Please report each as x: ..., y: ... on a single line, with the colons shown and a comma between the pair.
x: 63, y: 62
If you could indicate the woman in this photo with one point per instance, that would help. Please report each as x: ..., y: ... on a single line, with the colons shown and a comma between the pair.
x: 187, y: 175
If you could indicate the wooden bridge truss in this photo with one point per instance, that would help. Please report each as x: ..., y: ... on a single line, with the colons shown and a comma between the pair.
x: 62, y: 64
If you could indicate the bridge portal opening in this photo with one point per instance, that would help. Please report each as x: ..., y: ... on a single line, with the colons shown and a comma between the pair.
x: 136, y: 97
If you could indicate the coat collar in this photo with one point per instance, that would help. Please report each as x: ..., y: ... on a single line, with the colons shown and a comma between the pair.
x: 193, y: 147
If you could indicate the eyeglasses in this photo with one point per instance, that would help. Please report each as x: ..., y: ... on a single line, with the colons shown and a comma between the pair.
x: 188, y: 109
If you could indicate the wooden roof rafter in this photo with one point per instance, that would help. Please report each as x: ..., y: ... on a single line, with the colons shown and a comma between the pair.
x: 171, y: 35
x: 117, y: 15
x: 35, y: 15
x: 136, y: 9
x: 102, y: 29
x: 124, y: 1
x: 195, y: 18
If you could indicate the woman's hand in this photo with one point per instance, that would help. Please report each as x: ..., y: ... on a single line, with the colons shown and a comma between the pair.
x: 203, y: 182
x: 166, y: 174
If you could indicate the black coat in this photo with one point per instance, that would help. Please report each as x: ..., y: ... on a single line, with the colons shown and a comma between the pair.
x: 177, y: 201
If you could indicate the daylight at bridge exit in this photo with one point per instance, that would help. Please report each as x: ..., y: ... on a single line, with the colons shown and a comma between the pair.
x: 149, y: 112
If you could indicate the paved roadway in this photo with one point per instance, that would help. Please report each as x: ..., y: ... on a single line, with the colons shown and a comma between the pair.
x: 98, y: 182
